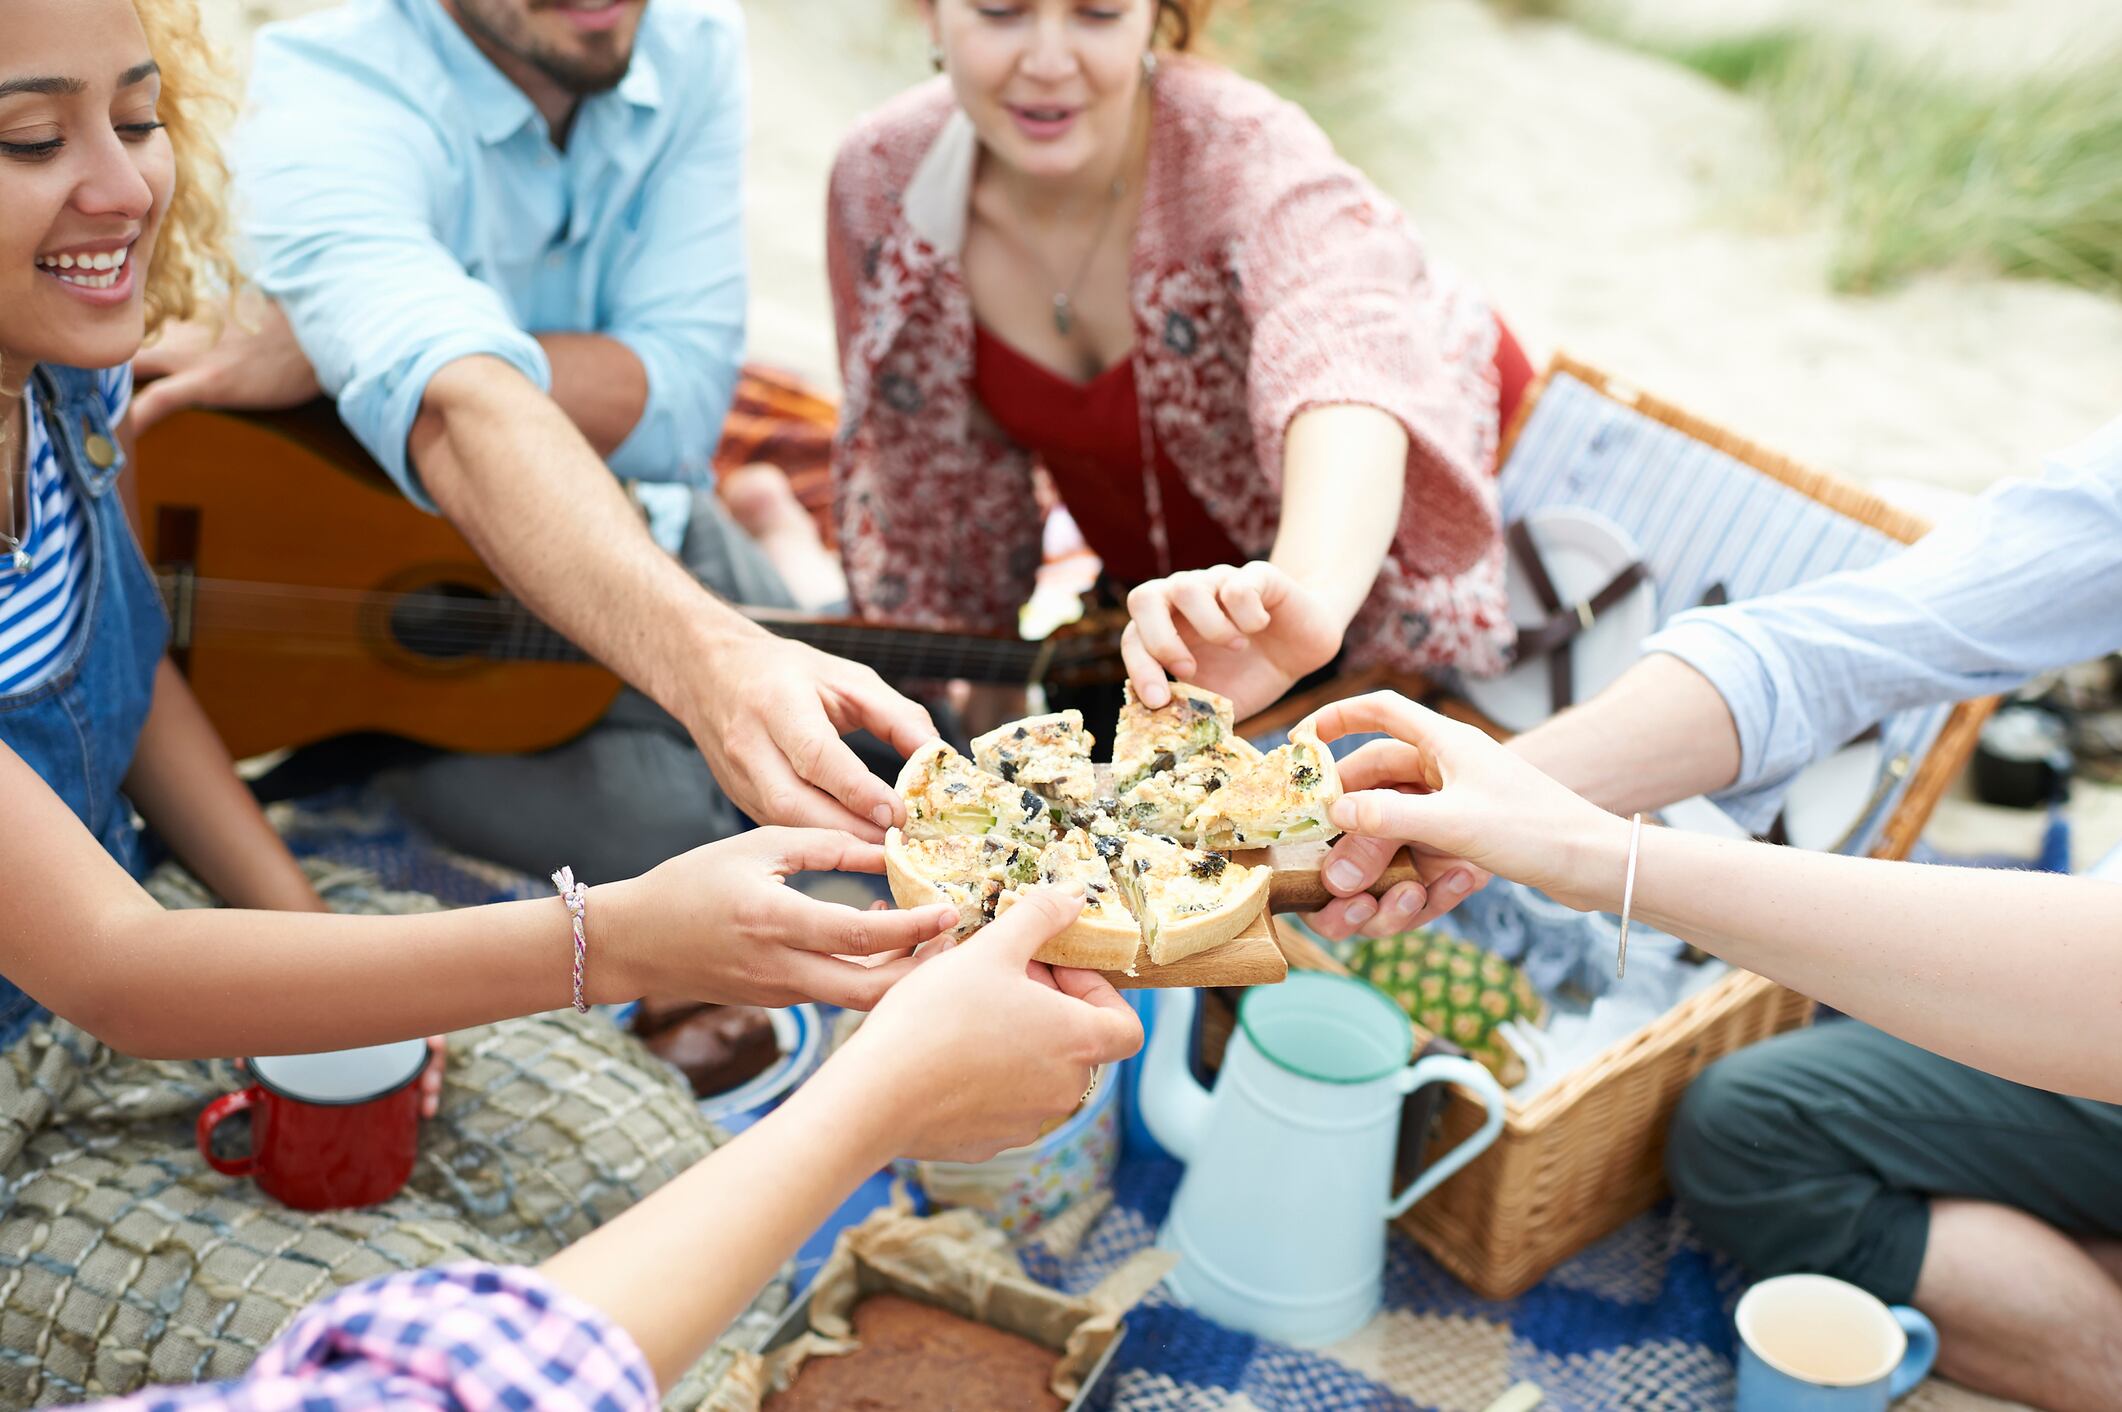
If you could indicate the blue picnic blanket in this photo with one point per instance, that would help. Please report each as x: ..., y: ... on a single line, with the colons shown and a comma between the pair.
x: 1640, y: 1320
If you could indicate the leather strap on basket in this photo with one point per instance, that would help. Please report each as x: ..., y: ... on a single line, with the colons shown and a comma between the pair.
x: 1552, y: 638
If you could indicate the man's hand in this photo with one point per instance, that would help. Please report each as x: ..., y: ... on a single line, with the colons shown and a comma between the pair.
x: 1245, y: 633
x: 722, y: 924
x: 251, y: 363
x: 771, y: 730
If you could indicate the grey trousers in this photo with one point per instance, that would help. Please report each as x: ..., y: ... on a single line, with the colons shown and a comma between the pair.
x: 621, y: 797
x: 1821, y: 1149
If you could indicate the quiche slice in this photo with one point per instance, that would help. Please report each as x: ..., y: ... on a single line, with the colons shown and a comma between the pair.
x: 1146, y: 742
x: 1049, y: 755
x: 1162, y: 802
x: 1186, y: 900
x: 983, y: 876
x: 969, y: 871
x: 1283, y: 798
x: 1104, y: 936
x: 946, y: 793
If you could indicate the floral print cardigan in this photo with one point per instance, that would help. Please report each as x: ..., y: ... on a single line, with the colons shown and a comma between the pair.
x: 1268, y: 276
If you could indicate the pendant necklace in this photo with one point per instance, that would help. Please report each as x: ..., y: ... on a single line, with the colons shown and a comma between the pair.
x: 1065, y: 299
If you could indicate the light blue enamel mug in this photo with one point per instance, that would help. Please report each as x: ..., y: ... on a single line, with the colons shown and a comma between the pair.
x: 1811, y: 1343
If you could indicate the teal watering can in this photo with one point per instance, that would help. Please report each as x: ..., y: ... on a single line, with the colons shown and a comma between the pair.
x: 1279, y: 1223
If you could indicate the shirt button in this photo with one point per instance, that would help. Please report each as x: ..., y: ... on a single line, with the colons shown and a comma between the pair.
x: 556, y: 259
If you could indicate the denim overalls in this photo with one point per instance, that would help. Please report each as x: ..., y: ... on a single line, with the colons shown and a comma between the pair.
x: 78, y: 728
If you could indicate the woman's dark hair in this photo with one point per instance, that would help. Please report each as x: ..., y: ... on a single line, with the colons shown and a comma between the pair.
x: 1179, y: 20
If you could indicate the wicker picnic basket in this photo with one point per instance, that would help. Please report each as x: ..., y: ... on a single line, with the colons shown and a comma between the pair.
x: 1587, y: 1154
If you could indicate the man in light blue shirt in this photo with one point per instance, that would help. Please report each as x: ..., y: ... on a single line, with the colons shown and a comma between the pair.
x: 1991, y: 1206
x: 508, y: 237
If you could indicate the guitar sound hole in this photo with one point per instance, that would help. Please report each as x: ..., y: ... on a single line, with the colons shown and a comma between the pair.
x: 447, y: 621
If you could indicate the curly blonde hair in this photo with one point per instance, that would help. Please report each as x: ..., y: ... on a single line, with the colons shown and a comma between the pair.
x: 194, y: 271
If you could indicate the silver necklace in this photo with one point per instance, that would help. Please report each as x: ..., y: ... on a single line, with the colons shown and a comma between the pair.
x: 1065, y: 299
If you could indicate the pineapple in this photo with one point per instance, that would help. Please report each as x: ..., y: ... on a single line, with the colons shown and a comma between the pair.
x: 1455, y: 990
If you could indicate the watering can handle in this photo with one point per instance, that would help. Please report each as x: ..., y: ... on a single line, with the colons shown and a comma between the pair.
x: 1450, y: 1068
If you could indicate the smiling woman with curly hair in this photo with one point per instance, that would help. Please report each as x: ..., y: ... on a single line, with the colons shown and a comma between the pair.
x: 123, y: 1257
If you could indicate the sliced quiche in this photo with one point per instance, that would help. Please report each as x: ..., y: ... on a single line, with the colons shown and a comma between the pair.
x: 946, y: 793
x: 984, y: 876
x: 1027, y: 809
x: 1104, y: 935
x: 1283, y: 798
x: 1049, y: 755
x: 1147, y: 742
x: 969, y: 871
x: 1186, y: 900
x: 1163, y: 801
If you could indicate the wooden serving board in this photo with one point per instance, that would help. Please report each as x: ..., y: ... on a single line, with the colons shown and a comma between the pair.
x: 1253, y: 957
x: 1297, y: 886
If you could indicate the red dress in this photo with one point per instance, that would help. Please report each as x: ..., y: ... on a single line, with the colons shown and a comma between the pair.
x: 1089, y: 437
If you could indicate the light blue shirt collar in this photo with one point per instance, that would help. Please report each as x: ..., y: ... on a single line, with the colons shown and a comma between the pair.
x: 499, y: 108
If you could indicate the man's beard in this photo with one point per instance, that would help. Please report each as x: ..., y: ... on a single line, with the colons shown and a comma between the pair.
x: 502, y: 26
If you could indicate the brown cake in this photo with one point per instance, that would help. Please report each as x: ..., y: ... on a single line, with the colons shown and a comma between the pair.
x: 716, y: 1047
x: 918, y: 1358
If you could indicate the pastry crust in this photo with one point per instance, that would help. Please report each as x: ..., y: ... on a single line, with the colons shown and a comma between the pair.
x: 1186, y: 900
x: 1284, y: 798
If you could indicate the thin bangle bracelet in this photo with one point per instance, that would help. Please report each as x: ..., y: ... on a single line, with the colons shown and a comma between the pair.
x: 1628, y: 896
x: 576, y: 896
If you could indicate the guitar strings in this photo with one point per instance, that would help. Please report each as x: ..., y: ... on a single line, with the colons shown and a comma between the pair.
x: 478, y: 626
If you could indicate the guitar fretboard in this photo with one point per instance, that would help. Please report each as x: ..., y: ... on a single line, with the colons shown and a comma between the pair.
x: 446, y: 624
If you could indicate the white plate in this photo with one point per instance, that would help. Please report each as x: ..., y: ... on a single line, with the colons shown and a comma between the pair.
x: 1830, y: 797
x: 1582, y: 550
x: 1824, y: 802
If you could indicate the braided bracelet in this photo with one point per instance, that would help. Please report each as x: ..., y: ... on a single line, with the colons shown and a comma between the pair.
x: 576, y: 896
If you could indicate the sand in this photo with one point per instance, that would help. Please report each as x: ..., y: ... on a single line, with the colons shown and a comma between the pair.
x: 1615, y: 206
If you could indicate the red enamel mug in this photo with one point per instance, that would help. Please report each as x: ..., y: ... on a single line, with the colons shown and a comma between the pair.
x: 327, y: 1130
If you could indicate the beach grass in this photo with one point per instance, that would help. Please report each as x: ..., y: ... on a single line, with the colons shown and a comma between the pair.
x: 1322, y: 54
x: 1921, y: 168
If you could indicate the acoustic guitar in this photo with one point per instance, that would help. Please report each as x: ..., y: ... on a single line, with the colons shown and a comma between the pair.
x: 309, y: 599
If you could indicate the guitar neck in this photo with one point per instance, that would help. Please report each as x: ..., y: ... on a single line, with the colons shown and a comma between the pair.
x: 457, y: 625
x: 913, y: 653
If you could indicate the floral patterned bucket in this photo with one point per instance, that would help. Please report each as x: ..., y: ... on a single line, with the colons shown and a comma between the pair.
x: 1025, y: 1187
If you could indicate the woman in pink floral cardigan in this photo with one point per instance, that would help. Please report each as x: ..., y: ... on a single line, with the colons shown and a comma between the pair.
x: 1272, y: 415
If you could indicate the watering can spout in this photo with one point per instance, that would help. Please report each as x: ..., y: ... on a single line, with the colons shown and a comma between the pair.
x: 1174, y: 1105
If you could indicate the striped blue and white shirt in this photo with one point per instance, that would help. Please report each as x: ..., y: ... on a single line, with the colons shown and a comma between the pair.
x: 40, y: 610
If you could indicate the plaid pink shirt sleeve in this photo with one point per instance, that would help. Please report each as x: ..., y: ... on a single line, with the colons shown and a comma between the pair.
x: 471, y: 1337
